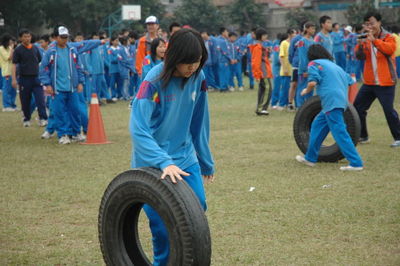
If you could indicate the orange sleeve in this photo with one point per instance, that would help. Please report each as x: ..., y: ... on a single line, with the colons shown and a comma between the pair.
x: 256, y: 60
x: 140, y: 54
x: 387, y: 45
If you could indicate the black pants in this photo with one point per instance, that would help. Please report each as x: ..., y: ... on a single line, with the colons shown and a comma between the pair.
x: 385, y: 94
x: 262, y: 99
x: 29, y: 86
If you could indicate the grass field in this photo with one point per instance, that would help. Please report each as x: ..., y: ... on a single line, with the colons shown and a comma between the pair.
x: 50, y: 193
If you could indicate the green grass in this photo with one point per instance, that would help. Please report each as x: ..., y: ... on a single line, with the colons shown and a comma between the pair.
x: 50, y: 193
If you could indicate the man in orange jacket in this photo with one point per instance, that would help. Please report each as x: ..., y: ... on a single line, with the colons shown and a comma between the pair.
x: 379, y: 75
x: 262, y: 71
x: 143, y: 49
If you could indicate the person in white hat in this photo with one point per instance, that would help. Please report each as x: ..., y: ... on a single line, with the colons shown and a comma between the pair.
x: 143, y: 49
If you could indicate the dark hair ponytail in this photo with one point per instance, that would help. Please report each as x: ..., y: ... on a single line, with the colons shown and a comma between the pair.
x: 317, y: 51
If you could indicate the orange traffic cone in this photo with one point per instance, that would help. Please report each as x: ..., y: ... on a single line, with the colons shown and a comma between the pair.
x: 353, y: 90
x: 96, y: 133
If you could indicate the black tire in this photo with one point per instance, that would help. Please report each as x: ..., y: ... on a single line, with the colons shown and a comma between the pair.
x: 178, y: 206
x: 302, y: 125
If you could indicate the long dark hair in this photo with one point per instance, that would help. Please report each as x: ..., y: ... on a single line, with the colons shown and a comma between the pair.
x: 317, y: 51
x: 185, y: 47
x: 153, y: 48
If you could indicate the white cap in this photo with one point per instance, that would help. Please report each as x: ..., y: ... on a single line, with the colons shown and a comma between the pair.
x: 151, y: 19
x: 63, y: 31
x: 349, y: 28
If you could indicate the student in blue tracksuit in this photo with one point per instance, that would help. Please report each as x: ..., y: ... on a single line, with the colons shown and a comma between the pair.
x: 324, y: 37
x: 294, y: 61
x: 235, y: 66
x: 96, y: 61
x: 303, y: 46
x: 224, y: 59
x: 209, y: 66
x: 170, y: 126
x: 332, y: 88
x: 276, y: 68
x: 338, y: 46
x: 115, y: 78
x: 61, y: 72
x: 157, y: 52
x: 125, y: 67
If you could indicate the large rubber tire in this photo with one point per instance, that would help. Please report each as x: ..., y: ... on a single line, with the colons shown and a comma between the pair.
x: 302, y: 125
x: 178, y: 206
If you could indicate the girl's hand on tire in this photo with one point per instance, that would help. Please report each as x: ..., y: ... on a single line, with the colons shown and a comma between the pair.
x: 208, y: 179
x: 174, y: 172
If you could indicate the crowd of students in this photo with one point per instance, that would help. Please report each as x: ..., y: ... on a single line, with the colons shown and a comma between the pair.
x: 114, y: 68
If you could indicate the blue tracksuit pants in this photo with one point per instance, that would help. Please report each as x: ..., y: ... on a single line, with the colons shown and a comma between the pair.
x: 277, y: 85
x: 52, y: 124
x: 236, y: 71
x: 209, y: 73
x: 332, y: 121
x: 398, y: 66
x: 284, y: 91
x: 83, y: 113
x: 9, y: 93
x: 100, y: 87
x: 157, y: 227
x: 340, y: 59
x: 215, y: 72
x: 87, y: 88
x: 223, y: 73
x: 116, y: 83
x: 67, y: 113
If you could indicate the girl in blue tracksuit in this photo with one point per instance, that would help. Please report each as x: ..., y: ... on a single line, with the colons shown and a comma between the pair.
x: 61, y: 72
x: 236, y: 67
x: 170, y: 125
x: 276, y: 68
x: 125, y: 67
x: 338, y: 46
x: 332, y: 84
x: 115, y: 78
x: 303, y: 45
x: 224, y: 60
x: 157, y: 53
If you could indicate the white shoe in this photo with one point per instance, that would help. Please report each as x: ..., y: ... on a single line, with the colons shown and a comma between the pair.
x: 64, y: 140
x: 264, y: 112
x: 42, y: 123
x: 46, y: 135
x: 395, y: 144
x: 231, y: 89
x: 351, y: 168
x: 9, y: 109
x: 26, y: 123
x: 280, y: 108
x: 114, y: 99
x: 78, y: 138
x: 303, y: 160
x: 274, y: 107
x: 241, y: 89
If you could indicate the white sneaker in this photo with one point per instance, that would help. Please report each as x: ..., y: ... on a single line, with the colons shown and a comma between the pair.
x: 231, y: 89
x: 395, y: 144
x: 264, y: 112
x: 26, y: 123
x: 42, y: 123
x: 9, y: 109
x: 46, y: 135
x: 114, y: 99
x: 274, y: 107
x: 351, y: 168
x: 64, y: 140
x: 78, y: 138
x: 280, y: 108
x: 241, y: 89
x: 303, y: 160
